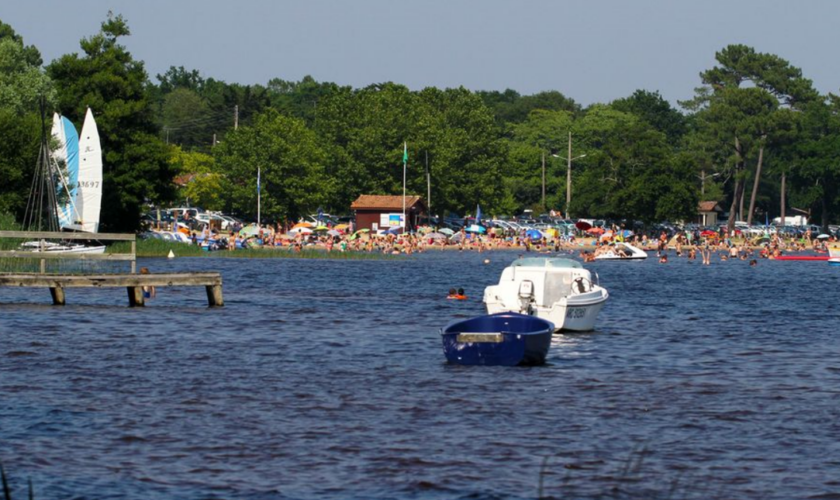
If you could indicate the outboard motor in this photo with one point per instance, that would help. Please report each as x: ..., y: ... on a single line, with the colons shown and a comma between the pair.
x: 526, y: 297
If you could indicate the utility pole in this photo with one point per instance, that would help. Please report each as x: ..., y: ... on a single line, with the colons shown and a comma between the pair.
x: 569, y: 176
x: 428, y: 186
x: 543, y: 180
x: 703, y: 185
x: 236, y: 117
x: 782, y: 219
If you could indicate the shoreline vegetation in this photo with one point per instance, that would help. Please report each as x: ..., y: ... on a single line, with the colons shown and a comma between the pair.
x: 158, y: 248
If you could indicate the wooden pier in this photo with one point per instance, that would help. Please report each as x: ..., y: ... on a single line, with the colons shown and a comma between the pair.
x: 132, y: 282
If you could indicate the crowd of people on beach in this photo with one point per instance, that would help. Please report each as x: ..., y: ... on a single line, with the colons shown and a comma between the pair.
x: 688, y: 244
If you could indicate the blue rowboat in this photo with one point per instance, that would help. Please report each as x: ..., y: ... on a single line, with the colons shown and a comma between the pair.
x: 505, y: 339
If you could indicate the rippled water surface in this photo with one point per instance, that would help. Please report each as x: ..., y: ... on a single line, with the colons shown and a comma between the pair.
x: 326, y: 379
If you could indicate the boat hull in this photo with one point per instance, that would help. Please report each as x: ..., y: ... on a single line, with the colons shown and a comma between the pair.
x: 630, y: 253
x: 63, y: 248
x: 577, y: 313
x: 504, y: 339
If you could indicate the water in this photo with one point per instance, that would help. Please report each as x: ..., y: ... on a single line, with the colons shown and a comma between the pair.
x: 326, y: 379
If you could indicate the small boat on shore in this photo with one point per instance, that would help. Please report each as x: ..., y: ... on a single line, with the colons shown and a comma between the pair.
x: 554, y: 289
x: 503, y: 339
x: 622, y: 251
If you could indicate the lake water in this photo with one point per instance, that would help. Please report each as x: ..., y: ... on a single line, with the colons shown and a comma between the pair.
x: 326, y: 379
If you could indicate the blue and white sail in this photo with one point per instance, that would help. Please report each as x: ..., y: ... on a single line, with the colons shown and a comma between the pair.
x: 89, y: 185
x: 66, y: 156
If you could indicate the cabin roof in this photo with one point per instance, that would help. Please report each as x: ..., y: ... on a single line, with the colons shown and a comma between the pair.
x: 384, y: 202
x: 709, y: 206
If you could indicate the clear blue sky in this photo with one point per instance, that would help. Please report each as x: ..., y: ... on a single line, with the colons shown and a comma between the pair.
x: 590, y: 50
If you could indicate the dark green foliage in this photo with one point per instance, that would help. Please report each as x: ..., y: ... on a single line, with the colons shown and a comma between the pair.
x: 652, y: 108
x: 19, y: 147
x: 31, y: 54
x: 511, y: 108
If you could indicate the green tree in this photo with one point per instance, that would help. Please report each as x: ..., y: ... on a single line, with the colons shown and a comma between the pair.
x: 185, y: 118
x: 22, y: 83
x: 290, y: 162
x: 652, y: 108
x: 22, y: 86
x: 533, y: 142
x: 740, y: 102
x: 202, y: 185
x: 107, y: 79
x: 630, y: 170
x: 510, y: 108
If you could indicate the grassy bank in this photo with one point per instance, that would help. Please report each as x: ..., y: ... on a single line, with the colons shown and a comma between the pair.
x: 160, y: 248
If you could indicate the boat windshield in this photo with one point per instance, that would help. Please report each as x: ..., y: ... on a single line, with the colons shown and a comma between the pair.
x: 547, y: 262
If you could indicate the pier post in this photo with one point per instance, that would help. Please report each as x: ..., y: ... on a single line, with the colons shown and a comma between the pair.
x: 57, y: 293
x: 214, y: 295
x: 135, y: 296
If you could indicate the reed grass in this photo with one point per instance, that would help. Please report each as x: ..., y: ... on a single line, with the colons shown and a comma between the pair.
x: 161, y: 248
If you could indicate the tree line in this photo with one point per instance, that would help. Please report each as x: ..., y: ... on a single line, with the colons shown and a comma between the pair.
x: 755, y: 137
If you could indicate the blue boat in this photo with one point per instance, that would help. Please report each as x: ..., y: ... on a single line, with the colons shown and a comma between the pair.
x: 505, y: 339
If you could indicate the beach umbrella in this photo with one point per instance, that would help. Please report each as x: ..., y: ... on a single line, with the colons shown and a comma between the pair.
x: 435, y: 236
x: 333, y: 232
x: 823, y: 237
x: 475, y: 228
x: 595, y: 230
x: 447, y: 231
x: 626, y: 233
x: 321, y: 228
x: 249, y: 230
x: 707, y: 233
x: 303, y: 224
x: 362, y: 231
x: 341, y: 227
x: 533, y: 234
x: 393, y: 230
x: 583, y: 225
x: 299, y: 230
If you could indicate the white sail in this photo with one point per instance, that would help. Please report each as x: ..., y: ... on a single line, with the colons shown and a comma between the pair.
x: 89, y: 190
x: 59, y: 158
x: 66, y: 163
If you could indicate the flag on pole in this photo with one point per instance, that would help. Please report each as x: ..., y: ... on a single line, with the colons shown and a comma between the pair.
x: 405, y: 165
x: 478, y: 214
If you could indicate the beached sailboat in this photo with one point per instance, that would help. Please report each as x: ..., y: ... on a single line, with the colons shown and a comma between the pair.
x: 67, y: 190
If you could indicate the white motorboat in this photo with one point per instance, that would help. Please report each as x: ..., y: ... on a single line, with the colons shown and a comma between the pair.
x: 621, y: 251
x: 554, y: 289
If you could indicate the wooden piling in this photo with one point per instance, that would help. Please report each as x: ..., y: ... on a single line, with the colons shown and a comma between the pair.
x: 214, y: 295
x: 135, y: 296
x: 57, y: 293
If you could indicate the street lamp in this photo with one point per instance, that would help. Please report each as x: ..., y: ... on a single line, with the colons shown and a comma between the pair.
x: 702, y: 178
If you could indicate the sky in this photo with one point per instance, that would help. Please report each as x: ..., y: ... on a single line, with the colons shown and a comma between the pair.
x: 590, y: 50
